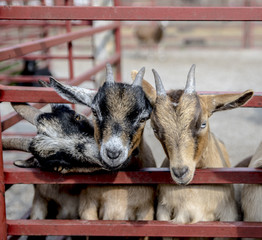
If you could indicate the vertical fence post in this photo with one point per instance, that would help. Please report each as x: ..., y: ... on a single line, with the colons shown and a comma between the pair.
x: 70, y: 45
x: 3, y: 227
x: 247, y: 29
x: 118, y: 46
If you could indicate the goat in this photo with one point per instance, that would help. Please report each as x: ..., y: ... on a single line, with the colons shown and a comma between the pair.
x: 251, y: 194
x: 151, y: 35
x: 180, y: 122
x: 65, y: 142
x: 30, y: 68
x: 120, y: 112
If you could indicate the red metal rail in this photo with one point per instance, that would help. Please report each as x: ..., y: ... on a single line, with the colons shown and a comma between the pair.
x: 11, y: 175
x: 15, y: 175
x: 134, y: 228
x: 132, y: 13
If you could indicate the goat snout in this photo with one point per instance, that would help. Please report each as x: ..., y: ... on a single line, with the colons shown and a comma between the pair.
x: 180, y: 172
x: 113, y: 154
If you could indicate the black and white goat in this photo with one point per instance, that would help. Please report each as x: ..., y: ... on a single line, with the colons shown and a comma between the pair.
x: 120, y: 112
x: 64, y: 142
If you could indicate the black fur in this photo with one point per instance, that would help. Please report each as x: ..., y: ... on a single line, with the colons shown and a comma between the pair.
x: 67, y: 126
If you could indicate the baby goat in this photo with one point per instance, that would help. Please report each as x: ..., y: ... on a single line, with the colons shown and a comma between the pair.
x: 180, y: 122
x: 120, y: 112
x: 65, y: 142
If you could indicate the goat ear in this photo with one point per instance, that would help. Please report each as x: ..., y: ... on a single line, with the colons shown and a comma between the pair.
x: 227, y: 101
x: 72, y: 93
x: 148, y: 89
x: 29, y: 163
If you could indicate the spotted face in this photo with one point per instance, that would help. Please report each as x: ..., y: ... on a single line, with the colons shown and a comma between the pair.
x: 180, y: 122
x: 120, y: 112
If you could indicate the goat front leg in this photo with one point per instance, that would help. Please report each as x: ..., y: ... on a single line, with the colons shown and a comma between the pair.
x: 40, y: 206
x: 163, y: 214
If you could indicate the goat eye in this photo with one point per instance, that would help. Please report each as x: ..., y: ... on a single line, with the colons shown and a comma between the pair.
x: 94, y: 112
x: 203, y: 125
x: 77, y: 117
x: 143, y: 120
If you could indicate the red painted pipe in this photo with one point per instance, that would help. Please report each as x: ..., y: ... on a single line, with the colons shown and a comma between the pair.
x: 132, y: 13
x: 147, y: 176
x: 134, y: 228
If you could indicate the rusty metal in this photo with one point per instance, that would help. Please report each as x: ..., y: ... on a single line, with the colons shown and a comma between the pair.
x: 132, y: 13
x: 42, y: 44
x: 134, y: 228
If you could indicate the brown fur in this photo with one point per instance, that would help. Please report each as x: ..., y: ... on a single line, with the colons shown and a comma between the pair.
x: 180, y: 122
x: 120, y: 202
x: 251, y: 194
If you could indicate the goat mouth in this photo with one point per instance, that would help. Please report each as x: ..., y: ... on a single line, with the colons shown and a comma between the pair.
x: 116, y: 167
x: 182, y: 181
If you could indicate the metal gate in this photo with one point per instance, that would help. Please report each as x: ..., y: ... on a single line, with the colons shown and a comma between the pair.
x: 12, y: 175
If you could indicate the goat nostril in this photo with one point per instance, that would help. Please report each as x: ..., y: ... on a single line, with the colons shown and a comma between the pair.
x: 112, y: 154
x: 180, y: 172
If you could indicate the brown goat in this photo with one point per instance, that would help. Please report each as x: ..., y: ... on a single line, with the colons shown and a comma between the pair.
x: 120, y: 112
x: 180, y: 122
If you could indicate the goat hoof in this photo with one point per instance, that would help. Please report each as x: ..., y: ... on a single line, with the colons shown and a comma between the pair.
x: 58, y: 169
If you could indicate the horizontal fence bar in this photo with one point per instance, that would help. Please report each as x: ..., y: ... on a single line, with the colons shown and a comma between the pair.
x: 47, y: 95
x: 29, y: 94
x: 15, y: 175
x: 37, y: 57
x: 133, y: 228
x: 28, y: 23
x: 132, y: 13
x: 28, y: 78
x: 45, y: 43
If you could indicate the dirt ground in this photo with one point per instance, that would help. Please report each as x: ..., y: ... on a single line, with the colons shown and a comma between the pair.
x: 219, y: 70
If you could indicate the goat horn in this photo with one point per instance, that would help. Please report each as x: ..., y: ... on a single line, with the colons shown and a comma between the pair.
x: 109, y: 74
x: 139, y: 77
x: 44, y: 83
x: 160, y: 90
x: 28, y: 112
x: 191, y: 84
x: 22, y: 144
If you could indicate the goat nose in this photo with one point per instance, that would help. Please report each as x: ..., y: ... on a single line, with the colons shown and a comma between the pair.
x: 180, y: 172
x: 112, y: 154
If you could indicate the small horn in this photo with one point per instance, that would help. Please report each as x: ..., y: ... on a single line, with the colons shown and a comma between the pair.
x: 160, y: 90
x: 28, y: 112
x: 21, y: 144
x: 190, y: 84
x: 109, y: 74
x: 139, y: 77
